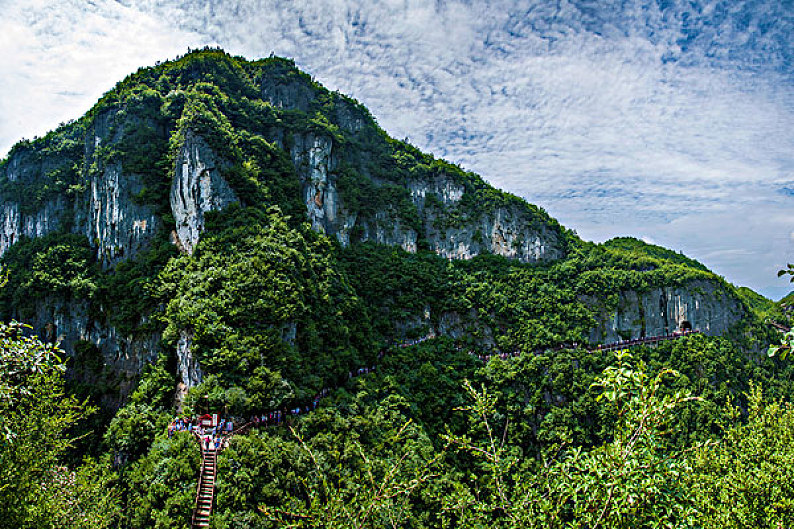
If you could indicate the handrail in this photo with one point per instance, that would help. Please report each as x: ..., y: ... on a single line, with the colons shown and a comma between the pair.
x: 286, y: 412
x: 200, y: 480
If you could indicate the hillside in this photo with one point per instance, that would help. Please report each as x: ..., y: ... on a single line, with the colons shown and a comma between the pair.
x: 223, y: 235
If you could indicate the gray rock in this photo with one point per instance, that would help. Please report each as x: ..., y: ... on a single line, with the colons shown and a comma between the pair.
x: 197, y: 187
x: 704, y: 305
x: 118, y: 227
x: 188, y: 367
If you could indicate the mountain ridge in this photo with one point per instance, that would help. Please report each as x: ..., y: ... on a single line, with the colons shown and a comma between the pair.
x: 211, y: 144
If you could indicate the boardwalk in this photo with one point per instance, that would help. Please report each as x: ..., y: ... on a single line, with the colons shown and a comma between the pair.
x: 205, y: 491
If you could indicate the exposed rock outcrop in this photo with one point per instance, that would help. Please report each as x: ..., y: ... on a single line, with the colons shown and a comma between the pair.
x: 37, y: 224
x: 704, y: 305
x: 72, y: 322
x: 312, y: 156
x: 507, y: 231
x: 116, y: 224
x: 188, y: 367
x: 197, y: 187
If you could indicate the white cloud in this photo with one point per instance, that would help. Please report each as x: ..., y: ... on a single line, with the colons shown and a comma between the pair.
x: 670, y: 124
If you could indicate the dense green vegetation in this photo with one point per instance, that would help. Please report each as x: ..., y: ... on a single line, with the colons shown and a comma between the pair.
x: 273, y: 311
x: 36, y: 414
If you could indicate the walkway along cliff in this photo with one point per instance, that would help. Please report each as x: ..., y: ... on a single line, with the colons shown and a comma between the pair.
x: 211, y: 446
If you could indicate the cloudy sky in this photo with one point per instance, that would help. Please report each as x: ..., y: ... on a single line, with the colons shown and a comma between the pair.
x: 668, y: 120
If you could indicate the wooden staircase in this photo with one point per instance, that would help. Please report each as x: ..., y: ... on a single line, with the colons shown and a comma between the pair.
x: 205, y: 492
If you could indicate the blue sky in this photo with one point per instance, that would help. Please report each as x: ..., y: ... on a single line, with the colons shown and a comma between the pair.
x: 667, y: 120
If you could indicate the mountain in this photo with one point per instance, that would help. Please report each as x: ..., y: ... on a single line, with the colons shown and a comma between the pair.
x: 212, y: 207
x: 224, y: 236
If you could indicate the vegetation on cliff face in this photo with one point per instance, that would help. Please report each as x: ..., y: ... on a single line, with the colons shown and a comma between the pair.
x: 274, y: 311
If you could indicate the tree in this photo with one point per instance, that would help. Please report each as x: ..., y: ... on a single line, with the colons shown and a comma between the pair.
x: 630, y: 481
x: 36, y: 491
x: 787, y: 341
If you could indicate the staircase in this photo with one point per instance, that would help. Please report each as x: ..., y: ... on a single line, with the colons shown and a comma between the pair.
x: 205, y: 492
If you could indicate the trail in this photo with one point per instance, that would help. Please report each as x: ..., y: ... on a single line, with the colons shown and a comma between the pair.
x: 205, y: 491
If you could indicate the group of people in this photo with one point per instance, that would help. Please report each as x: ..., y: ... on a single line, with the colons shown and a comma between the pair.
x: 648, y: 339
x: 210, y: 437
x: 277, y: 417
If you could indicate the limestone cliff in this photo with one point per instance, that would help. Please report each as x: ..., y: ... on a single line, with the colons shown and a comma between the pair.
x: 197, y: 187
x: 107, y: 212
x: 702, y: 305
x: 440, y: 221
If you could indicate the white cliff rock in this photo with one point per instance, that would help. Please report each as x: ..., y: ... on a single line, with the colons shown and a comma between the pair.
x: 118, y: 227
x: 188, y: 367
x: 197, y: 188
x: 312, y: 156
x: 14, y: 225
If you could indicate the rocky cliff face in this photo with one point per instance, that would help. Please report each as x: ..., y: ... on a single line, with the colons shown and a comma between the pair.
x: 102, y: 207
x: 118, y: 227
x: 32, y: 212
x: 99, y: 204
x: 703, y: 305
x: 508, y: 231
x: 123, y: 357
x: 37, y: 224
x: 107, y: 212
x: 314, y: 161
x: 699, y: 305
x: 197, y: 187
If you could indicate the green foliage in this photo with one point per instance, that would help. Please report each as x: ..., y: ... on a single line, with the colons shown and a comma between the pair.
x: 763, y: 308
x: 36, y: 491
x: 80, y: 499
x: 744, y: 480
x: 126, y: 291
x: 250, y: 284
x: 786, y: 344
x: 57, y: 265
x: 784, y: 347
x: 49, y: 168
x: 640, y: 248
x: 156, y: 387
x: 162, y: 484
x: 332, y: 470
x: 627, y: 482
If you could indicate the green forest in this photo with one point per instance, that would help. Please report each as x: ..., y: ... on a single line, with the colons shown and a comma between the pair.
x: 696, y: 431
